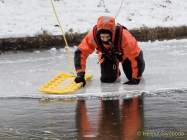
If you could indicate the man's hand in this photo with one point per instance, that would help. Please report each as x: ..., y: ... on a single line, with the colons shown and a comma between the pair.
x: 132, y: 82
x: 80, y: 78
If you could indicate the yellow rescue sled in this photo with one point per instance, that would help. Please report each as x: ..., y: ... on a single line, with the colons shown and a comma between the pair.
x: 63, y: 83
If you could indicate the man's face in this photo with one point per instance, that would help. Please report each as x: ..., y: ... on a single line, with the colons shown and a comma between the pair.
x: 105, y: 37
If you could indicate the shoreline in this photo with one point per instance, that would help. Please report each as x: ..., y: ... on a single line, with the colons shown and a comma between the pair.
x: 47, y: 40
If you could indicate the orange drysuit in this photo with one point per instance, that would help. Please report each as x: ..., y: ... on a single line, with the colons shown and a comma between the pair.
x: 128, y: 46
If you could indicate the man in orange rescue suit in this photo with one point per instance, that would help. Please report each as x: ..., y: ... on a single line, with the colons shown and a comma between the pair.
x: 114, y: 45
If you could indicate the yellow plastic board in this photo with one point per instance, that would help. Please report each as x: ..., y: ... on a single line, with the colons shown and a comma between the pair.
x: 63, y: 83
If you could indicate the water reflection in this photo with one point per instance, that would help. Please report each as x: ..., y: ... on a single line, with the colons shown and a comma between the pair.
x: 132, y: 119
x: 116, y: 120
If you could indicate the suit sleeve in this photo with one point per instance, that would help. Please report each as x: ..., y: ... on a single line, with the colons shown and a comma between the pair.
x: 131, y: 51
x: 86, y: 47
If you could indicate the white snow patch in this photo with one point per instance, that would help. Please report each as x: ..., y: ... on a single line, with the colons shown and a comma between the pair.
x: 22, y: 18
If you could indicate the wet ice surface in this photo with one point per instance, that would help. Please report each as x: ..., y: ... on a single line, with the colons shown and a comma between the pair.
x: 22, y: 73
x: 160, y: 114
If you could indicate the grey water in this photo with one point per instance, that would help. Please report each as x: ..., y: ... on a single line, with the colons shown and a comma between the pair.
x: 160, y: 112
x: 152, y: 117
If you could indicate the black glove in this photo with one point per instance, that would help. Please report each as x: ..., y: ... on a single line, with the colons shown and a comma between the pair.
x: 132, y: 82
x: 80, y: 78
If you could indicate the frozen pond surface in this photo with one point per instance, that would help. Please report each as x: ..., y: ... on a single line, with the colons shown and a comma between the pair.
x: 159, y: 114
x: 22, y: 73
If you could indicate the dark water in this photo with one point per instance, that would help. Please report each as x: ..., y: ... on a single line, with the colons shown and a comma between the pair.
x: 147, y: 117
